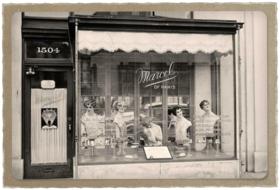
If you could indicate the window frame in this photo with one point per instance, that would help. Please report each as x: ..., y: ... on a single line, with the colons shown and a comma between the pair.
x: 160, y: 24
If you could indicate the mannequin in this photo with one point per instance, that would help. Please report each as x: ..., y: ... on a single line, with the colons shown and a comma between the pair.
x: 91, y: 125
x: 152, y: 131
x: 208, y: 121
x: 121, y: 127
x: 181, y: 127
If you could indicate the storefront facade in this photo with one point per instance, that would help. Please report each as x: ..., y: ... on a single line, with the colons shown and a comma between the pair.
x: 130, y: 97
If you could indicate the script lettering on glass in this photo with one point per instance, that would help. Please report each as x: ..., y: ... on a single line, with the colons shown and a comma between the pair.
x: 157, y: 79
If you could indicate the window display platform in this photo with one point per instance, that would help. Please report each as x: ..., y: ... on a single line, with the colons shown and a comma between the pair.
x: 137, y: 155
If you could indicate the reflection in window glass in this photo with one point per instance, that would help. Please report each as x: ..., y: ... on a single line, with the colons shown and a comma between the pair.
x: 92, y: 78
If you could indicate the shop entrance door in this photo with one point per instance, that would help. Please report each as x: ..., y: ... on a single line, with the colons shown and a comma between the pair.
x: 48, y: 129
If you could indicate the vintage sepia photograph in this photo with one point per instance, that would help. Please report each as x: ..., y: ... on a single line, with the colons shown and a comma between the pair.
x: 150, y: 94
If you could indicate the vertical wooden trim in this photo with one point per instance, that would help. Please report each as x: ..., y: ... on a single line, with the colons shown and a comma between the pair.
x: 260, y: 91
x: 192, y: 100
x: 136, y: 104
x: 107, y: 87
x: 249, y: 100
x: 77, y: 96
x: 26, y: 117
x: 165, y: 114
x: 16, y: 91
x: 238, y: 100
x: 70, y: 116
x: 236, y: 138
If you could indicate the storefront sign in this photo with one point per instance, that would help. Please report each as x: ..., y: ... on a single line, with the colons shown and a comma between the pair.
x: 157, y: 78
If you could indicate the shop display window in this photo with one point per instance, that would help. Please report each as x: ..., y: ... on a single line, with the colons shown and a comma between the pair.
x: 129, y: 100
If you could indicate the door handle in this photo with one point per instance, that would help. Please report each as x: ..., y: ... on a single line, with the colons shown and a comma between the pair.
x: 69, y: 121
x: 69, y: 127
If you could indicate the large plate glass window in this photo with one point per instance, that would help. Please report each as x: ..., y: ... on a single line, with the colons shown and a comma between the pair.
x: 155, y: 89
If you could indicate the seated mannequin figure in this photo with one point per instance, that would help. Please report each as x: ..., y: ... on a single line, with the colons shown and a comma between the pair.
x: 152, y: 132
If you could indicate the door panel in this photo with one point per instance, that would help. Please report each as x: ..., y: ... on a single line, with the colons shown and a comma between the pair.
x: 48, y: 131
x: 48, y: 126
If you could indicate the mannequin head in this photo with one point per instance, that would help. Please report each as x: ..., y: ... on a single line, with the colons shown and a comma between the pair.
x: 179, y: 112
x: 205, y: 105
x: 119, y: 106
x: 89, y: 104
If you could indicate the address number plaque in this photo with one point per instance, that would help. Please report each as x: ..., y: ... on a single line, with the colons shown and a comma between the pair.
x: 46, y: 49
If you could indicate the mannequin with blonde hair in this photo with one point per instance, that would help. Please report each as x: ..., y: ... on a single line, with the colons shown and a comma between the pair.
x: 152, y: 131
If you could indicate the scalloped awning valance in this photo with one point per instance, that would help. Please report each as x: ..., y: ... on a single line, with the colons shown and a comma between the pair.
x: 158, y: 42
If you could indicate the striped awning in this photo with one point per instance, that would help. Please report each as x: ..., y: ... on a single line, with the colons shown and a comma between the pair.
x: 158, y: 42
